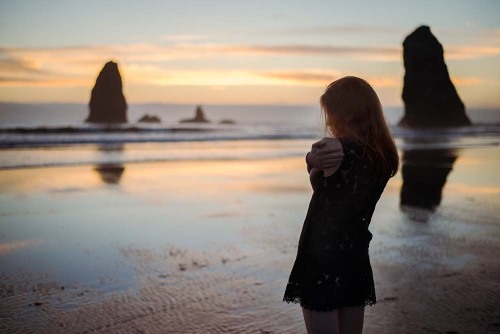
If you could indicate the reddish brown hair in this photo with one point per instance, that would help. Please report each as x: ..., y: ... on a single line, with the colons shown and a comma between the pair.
x: 353, y: 111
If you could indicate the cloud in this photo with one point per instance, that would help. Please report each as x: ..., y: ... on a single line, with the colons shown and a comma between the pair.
x: 152, y: 74
x: 383, y: 82
x: 158, y: 64
x: 311, y: 77
x: 472, y: 52
x: 343, y: 29
x: 8, y: 63
x: 322, y: 77
x: 180, y: 51
x: 367, y: 53
x: 467, y: 81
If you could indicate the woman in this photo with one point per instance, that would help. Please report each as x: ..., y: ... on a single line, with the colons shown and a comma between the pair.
x: 332, y: 278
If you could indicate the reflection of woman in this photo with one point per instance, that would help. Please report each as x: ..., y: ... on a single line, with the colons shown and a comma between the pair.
x: 332, y: 278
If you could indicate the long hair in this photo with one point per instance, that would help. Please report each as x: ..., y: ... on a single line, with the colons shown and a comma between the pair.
x: 352, y: 110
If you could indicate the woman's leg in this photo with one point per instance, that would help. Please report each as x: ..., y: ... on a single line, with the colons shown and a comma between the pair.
x: 321, y: 322
x: 351, y: 319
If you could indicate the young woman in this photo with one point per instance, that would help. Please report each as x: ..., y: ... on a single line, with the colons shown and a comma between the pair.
x: 332, y: 278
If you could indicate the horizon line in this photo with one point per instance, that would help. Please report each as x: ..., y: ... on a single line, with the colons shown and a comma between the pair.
x: 221, y: 104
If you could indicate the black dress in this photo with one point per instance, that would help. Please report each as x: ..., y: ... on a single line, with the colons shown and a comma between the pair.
x: 332, y: 268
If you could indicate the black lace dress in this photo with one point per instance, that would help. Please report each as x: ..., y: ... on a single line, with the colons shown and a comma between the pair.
x: 332, y: 268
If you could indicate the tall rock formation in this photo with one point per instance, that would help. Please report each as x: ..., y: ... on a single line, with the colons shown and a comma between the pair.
x: 107, y: 102
x: 430, y: 98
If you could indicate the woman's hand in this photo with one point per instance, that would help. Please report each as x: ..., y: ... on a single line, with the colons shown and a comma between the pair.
x: 325, y: 154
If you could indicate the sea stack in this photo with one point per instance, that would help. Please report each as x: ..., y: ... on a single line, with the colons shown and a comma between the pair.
x: 430, y: 98
x: 199, y: 117
x: 107, y: 102
x: 149, y: 119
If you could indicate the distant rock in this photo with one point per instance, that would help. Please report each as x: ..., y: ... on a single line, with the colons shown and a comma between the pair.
x: 149, y: 119
x: 430, y: 98
x: 199, y: 117
x: 227, y: 121
x: 107, y: 102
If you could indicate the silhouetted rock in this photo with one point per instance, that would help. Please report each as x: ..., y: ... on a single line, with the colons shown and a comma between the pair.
x: 107, y: 102
x: 199, y: 117
x: 430, y: 98
x: 149, y: 119
x: 227, y: 121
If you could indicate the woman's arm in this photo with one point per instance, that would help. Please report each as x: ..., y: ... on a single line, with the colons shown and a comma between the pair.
x: 325, y: 155
x: 316, y: 178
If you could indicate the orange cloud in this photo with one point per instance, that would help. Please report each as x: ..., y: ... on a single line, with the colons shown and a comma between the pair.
x: 461, y: 52
x: 311, y: 77
x: 78, y: 65
x: 467, y: 81
x: 74, y: 69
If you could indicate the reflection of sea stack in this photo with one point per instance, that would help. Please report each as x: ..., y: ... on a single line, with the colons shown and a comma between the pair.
x: 199, y: 117
x: 430, y: 98
x: 107, y: 102
x: 424, y: 176
x: 110, y: 174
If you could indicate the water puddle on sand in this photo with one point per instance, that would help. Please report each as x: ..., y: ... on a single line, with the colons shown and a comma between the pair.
x: 203, y: 261
x: 176, y: 291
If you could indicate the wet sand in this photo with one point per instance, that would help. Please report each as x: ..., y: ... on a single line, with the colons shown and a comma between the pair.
x: 207, y: 247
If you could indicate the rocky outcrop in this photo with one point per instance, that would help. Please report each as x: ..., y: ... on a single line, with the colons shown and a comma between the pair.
x: 149, y: 119
x: 227, y: 122
x: 199, y: 117
x: 430, y: 98
x: 107, y: 102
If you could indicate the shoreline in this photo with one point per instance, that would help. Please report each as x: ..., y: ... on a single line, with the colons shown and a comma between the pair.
x: 207, y: 246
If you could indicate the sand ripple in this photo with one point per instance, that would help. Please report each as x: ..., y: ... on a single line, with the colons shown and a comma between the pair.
x: 438, y: 276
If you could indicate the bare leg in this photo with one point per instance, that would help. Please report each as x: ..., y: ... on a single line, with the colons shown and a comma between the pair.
x: 321, y: 322
x: 351, y: 319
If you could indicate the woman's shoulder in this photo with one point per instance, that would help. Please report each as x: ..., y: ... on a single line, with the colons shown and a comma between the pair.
x: 358, y: 155
x: 356, y: 160
x: 351, y: 148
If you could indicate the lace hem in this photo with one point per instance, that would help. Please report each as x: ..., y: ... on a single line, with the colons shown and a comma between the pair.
x: 327, y: 308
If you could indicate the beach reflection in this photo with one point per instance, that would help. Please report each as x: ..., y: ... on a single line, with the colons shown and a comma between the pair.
x: 110, y: 173
x: 10, y: 246
x: 424, y: 173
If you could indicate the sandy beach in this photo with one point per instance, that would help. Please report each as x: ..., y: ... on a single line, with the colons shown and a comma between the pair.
x: 206, y: 246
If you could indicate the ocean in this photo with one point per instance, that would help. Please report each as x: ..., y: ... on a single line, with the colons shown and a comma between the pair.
x: 35, y: 135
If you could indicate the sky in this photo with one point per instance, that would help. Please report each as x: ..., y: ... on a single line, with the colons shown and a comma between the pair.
x: 238, y: 52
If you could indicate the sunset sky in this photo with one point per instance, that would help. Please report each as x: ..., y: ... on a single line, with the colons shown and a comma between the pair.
x: 238, y: 52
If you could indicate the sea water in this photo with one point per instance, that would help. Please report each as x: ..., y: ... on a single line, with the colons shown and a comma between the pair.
x: 34, y: 135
